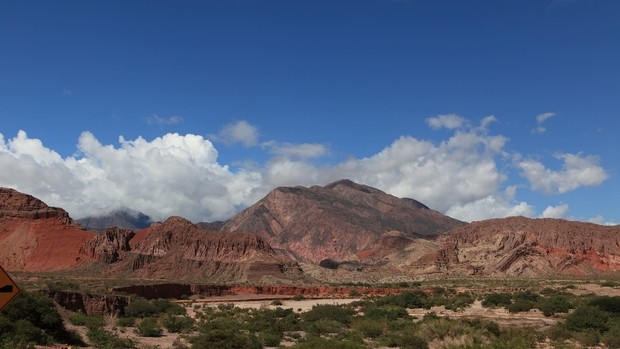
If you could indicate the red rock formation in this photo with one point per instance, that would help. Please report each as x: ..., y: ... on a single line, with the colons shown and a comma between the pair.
x: 108, y: 246
x: 178, y: 249
x: 90, y: 304
x: 341, y: 221
x: 523, y: 246
x: 36, y: 237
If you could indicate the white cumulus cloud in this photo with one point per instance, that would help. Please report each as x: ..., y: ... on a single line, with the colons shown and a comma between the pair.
x: 239, y: 132
x: 577, y: 171
x: 181, y: 175
x: 169, y: 175
x: 558, y: 211
x: 449, y: 121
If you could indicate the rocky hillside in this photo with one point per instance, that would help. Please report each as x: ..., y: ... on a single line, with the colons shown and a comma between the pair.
x: 530, y: 247
x: 341, y: 221
x: 178, y: 249
x: 36, y: 237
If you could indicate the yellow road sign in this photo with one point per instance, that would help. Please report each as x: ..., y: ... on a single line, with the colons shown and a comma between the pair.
x: 8, y: 289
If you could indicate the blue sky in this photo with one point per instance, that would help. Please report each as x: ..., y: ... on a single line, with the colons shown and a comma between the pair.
x: 480, y: 109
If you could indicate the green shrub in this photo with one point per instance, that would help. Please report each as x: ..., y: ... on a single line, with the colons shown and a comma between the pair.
x: 221, y: 338
x: 559, y: 332
x: 588, y: 338
x: 521, y: 305
x: 125, y: 321
x: 32, y: 318
x: 324, y: 326
x: 149, y: 327
x: 327, y: 343
x: 140, y: 307
x: 611, y: 338
x: 103, y: 339
x: 270, y: 339
x: 411, y: 341
x: 407, y: 299
x: 586, y: 318
x: 81, y: 319
x: 389, y: 312
x: 177, y: 324
x: 168, y: 307
x: 497, y: 299
x: 555, y: 304
x: 341, y: 314
x: 369, y: 328
x: 606, y: 303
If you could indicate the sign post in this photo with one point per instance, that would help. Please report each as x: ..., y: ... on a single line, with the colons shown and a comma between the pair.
x: 8, y: 289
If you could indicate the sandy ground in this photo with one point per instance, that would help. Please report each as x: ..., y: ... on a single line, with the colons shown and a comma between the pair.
x: 533, y: 318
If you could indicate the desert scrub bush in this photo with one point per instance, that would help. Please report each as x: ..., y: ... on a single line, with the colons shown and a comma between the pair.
x: 90, y: 321
x: 103, y: 339
x: 607, y: 303
x: 220, y: 335
x: 63, y: 286
x: 586, y: 318
x: 369, y: 328
x: 496, y: 300
x: 32, y: 318
x: 125, y: 321
x: 276, y: 302
x: 407, y: 299
x: 612, y: 337
x: 177, y: 324
x: 521, y: 305
x: 270, y: 339
x: 149, y: 327
x: 168, y: 307
x: 140, y: 307
x: 389, y: 312
x: 324, y: 327
x: 325, y: 343
x: 276, y: 321
x: 457, y: 301
x: 339, y: 313
x: 553, y: 304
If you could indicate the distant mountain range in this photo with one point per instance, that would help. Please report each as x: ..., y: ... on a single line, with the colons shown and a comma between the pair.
x: 126, y: 219
x: 296, y: 234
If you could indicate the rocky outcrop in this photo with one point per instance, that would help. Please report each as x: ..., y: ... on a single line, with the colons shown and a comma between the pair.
x: 178, y: 249
x: 339, y: 221
x: 108, y: 246
x: 35, y: 237
x: 14, y: 204
x: 90, y: 304
x: 530, y: 247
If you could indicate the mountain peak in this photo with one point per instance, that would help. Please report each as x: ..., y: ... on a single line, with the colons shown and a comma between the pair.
x: 347, y: 183
x: 335, y: 221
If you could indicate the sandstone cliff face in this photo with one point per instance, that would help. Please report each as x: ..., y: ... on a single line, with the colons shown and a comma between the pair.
x: 36, y: 237
x: 90, y: 304
x: 530, y: 247
x: 338, y: 221
x: 108, y: 246
x: 178, y: 249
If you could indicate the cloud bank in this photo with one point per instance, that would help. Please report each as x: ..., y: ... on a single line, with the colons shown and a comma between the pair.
x: 181, y: 175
